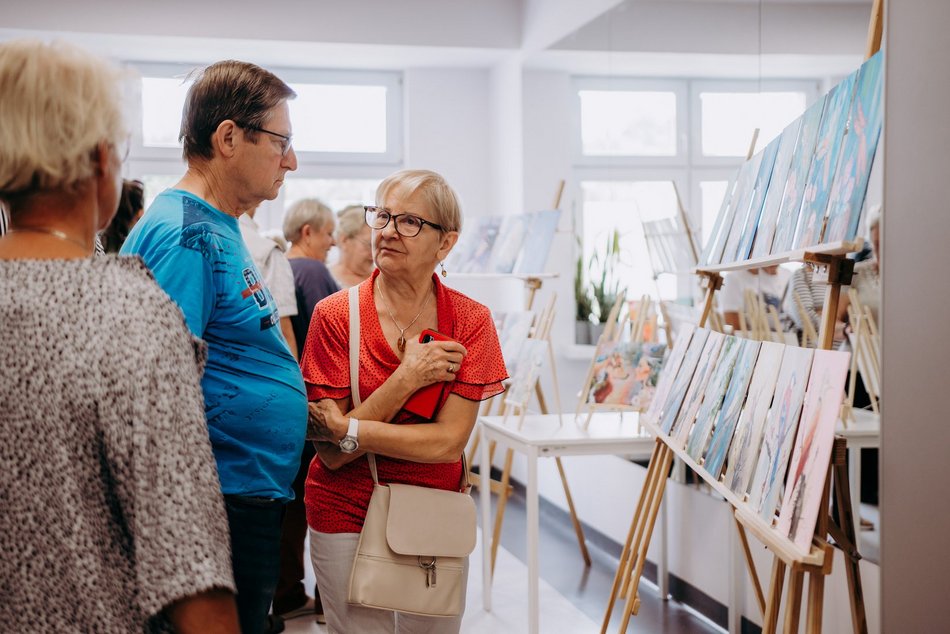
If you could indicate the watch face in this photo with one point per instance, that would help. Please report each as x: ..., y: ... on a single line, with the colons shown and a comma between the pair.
x: 348, y: 444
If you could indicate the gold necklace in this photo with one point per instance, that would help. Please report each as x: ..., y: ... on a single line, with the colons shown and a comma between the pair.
x: 56, y: 233
x: 401, y: 342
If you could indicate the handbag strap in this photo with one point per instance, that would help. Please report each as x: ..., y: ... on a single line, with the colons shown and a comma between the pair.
x: 464, y: 484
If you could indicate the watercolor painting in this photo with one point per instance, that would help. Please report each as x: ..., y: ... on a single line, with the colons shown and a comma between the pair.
x: 527, y: 372
x: 743, y: 199
x: 748, y: 435
x: 720, y: 223
x: 712, y: 400
x: 857, y: 155
x: 780, y: 427
x: 625, y: 373
x: 509, y: 244
x: 513, y: 330
x: 760, y: 188
x: 474, y: 258
x: 744, y: 179
x: 705, y: 368
x: 808, y: 470
x: 762, y: 245
x: 670, y: 367
x: 791, y: 205
x: 824, y: 164
x: 669, y: 411
x: 731, y: 409
x: 537, y: 244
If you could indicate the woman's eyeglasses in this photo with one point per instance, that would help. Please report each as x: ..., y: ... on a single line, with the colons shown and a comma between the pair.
x: 407, y: 225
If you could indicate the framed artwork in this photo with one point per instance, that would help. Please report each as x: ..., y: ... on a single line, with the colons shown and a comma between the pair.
x: 857, y: 154
x: 669, y: 410
x: 748, y: 435
x: 731, y: 408
x: 780, y: 427
x: 760, y: 188
x: 537, y: 244
x: 791, y: 205
x: 808, y: 470
x: 509, y: 243
x: 625, y: 373
x: 705, y: 256
x: 823, y: 165
x: 743, y: 202
x: 712, y: 400
x: 670, y: 368
x: 705, y: 368
x: 527, y: 372
x: 762, y: 245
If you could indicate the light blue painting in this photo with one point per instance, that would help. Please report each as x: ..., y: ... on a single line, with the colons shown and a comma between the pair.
x: 765, y: 231
x: 712, y: 399
x: 731, y: 408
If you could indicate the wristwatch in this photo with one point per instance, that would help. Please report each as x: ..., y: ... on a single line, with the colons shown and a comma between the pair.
x: 349, y: 444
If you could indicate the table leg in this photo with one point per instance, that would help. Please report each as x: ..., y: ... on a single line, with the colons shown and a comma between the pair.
x: 532, y: 529
x: 735, y: 583
x: 484, y: 475
x: 854, y: 475
x: 662, y: 571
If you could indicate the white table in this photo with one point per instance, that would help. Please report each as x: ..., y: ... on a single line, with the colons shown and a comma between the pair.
x: 546, y: 436
x: 864, y: 431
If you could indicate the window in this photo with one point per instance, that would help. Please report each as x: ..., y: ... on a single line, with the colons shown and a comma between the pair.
x: 162, y: 101
x: 339, y: 118
x: 335, y: 193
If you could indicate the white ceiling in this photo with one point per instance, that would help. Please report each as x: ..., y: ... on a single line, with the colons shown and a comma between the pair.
x: 731, y: 38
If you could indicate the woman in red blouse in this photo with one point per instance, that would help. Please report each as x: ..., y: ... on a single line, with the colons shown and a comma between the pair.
x: 415, y: 224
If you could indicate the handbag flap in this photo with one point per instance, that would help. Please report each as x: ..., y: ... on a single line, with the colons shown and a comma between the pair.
x: 430, y: 522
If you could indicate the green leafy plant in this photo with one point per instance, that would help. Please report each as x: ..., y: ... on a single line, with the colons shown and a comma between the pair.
x: 583, y: 301
x: 605, y: 282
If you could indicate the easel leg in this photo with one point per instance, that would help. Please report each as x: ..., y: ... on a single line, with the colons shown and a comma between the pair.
x: 770, y: 623
x: 846, y: 522
x: 578, y: 529
x: 753, y: 574
x: 624, y: 566
x: 793, y: 602
x: 816, y: 596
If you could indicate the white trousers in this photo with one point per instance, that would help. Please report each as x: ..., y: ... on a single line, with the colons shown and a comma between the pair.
x: 332, y: 555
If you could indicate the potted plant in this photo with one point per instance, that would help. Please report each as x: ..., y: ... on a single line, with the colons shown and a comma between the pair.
x: 583, y: 304
x: 605, y: 284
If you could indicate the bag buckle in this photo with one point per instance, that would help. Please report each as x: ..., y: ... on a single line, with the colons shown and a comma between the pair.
x: 428, y: 564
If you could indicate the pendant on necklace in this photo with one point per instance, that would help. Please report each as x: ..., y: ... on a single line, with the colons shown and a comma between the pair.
x: 401, y: 343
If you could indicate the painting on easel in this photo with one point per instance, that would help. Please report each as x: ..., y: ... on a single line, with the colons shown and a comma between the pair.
x: 513, y: 330
x: 537, y: 243
x: 476, y: 251
x: 745, y: 190
x: 626, y: 373
x: 509, y: 244
x: 759, y: 190
x: 697, y: 386
x: 857, y: 155
x: 527, y: 372
x: 668, y: 411
x: 731, y: 408
x: 809, y: 466
x: 780, y: 428
x: 797, y: 175
x: 712, y: 399
x: 748, y: 435
x: 718, y: 227
x: 762, y: 244
x: 670, y: 368
x: 824, y: 164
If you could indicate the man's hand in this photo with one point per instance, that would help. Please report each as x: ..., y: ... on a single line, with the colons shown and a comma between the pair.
x: 325, y: 422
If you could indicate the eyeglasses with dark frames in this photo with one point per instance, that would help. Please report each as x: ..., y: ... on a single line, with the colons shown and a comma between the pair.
x: 407, y: 225
x: 286, y: 142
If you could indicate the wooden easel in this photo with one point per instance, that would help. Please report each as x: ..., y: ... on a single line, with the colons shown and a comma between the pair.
x: 865, y: 355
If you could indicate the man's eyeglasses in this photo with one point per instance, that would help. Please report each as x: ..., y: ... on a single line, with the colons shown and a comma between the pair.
x: 286, y: 142
x: 407, y: 225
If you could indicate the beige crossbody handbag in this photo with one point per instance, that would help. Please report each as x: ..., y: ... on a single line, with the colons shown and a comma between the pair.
x: 411, y: 553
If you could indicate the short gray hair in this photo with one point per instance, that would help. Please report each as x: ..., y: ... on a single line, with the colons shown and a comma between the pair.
x: 434, y: 190
x: 350, y: 221
x: 307, y: 211
x: 58, y: 102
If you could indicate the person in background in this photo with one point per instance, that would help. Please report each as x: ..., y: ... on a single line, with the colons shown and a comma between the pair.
x: 812, y: 299
x: 131, y: 208
x: 275, y: 272
x: 356, y: 253
x: 769, y: 282
x: 112, y: 518
x: 416, y: 222
x: 308, y: 226
x: 236, y: 135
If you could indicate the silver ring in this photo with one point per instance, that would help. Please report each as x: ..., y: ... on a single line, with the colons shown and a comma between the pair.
x: 451, y: 367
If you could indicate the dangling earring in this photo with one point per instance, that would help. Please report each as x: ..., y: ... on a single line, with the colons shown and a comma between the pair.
x: 442, y: 266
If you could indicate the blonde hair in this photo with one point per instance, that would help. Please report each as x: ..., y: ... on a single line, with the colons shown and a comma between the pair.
x: 307, y: 211
x: 433, y: 188
x: 58, y: 103
x: 350, y: 221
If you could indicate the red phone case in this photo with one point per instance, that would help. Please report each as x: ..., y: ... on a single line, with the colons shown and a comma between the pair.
x: 425, y: 401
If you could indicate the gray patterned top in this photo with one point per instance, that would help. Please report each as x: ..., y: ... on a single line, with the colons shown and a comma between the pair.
x: 110, y: 506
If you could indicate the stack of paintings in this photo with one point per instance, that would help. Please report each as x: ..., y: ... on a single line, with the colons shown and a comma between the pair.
x: 807, y: 187
x: 518, y: 244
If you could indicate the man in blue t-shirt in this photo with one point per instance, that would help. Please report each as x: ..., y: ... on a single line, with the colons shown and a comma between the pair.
x: 236, y: 132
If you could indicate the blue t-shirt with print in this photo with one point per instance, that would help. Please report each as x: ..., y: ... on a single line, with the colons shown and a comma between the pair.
x: 254, y: 394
